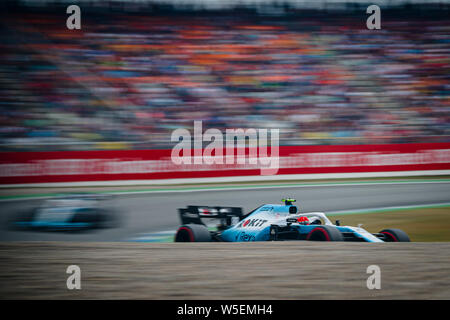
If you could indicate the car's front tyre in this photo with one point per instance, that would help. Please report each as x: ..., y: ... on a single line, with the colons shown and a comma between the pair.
x: 395, y: 235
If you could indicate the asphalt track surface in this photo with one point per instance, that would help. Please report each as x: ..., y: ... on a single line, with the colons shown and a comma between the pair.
x: 152, y: 212
x: 269, y: 270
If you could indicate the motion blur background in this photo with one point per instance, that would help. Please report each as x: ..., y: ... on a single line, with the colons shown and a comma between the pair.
x: 370, y: 106
x: 137, y: 70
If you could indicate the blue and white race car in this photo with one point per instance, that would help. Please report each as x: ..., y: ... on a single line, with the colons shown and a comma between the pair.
x: 272, y: 222
x: 71, y: 212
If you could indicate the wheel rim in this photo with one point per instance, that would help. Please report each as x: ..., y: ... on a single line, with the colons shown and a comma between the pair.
x: 318, y: 234
x: 184, y: 235
x: 390, y: 237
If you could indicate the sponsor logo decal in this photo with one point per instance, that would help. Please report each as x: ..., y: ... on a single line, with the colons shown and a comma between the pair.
x: 242, y: 236
x: 210, y: 212
x: 255, y: 223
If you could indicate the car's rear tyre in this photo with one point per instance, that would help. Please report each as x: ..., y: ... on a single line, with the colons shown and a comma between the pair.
x: 395, y: 235
x: 88, y: 216
x: 193, y: 233
x: 325, y: 233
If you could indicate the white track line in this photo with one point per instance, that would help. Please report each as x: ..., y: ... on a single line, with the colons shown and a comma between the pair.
x: 212, y: 189
x: 255, y: 187
x: 285, y: 177
x: 418, y: 206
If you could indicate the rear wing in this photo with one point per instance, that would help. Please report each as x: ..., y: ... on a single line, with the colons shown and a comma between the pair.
x: 195, y: 214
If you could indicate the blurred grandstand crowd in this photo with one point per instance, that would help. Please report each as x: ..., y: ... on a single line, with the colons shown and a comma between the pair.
x: 128, y: 80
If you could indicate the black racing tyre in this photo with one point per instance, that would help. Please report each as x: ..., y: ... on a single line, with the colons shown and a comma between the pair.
x: 395, y: 235
x: 90, y: 216
x: 193, y: 233
x: 325, y: 233
x: 26, y: 216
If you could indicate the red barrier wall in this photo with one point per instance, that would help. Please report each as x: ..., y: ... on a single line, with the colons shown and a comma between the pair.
x: 78, y: 166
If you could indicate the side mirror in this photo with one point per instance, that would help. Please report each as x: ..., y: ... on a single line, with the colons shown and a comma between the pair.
x: 338, y: 222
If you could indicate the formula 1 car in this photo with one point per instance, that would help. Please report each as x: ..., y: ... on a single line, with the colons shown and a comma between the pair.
x: 272, y: 222
x: 73, y: 212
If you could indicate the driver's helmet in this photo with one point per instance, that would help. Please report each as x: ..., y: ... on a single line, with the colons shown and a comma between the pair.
x: 303, y: 220
x: 306, y: 221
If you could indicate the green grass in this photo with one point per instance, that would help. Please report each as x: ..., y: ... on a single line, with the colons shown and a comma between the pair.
x: 426, y: 224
